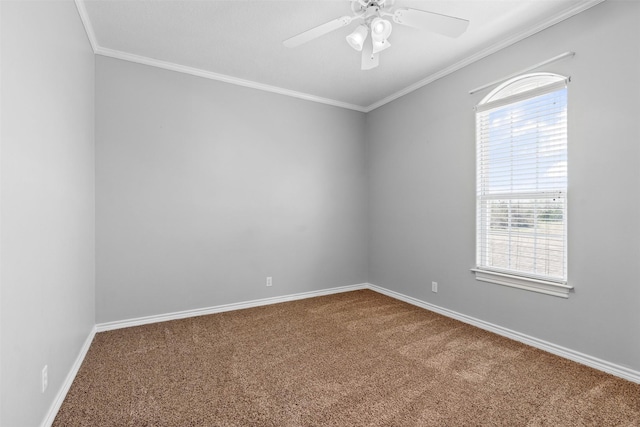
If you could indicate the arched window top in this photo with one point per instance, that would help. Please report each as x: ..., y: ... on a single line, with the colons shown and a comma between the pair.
x: 522, y: 87
x: 523, y: 84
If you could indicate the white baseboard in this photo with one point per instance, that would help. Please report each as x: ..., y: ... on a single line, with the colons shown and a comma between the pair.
x: 585, y: 359
x: 594, y: 362
x: 118, y: 324
x: 66, y: 385
x: 64, y: 389
x: 576, y: 356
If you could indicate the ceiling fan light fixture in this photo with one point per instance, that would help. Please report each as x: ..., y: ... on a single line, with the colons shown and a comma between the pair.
x: 372, y: 14
x: 380, y: 29
x: 357, y: 37
x: 380, y: 46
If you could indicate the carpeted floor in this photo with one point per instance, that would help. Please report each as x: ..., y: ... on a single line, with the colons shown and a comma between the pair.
x: 351, y: 359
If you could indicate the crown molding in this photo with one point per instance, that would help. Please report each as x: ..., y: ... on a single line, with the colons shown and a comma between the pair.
x: 566, y: 14
x: 98, y: 50
x: 88, y: 28
x: 223, y: 78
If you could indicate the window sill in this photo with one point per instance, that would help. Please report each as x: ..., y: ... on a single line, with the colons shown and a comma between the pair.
x: 535, y: 285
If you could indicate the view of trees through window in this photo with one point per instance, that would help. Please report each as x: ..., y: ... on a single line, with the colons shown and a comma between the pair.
x: 526, y: 235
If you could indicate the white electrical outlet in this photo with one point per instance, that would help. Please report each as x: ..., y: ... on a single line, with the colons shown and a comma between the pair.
x: 269, y: 281
x: 45, y: 378
x: 434, y: 286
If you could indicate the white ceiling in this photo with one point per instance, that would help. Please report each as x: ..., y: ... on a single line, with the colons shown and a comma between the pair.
x: 240, y: 41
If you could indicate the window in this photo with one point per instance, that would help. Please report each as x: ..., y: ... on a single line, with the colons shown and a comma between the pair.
x: 521, y: 198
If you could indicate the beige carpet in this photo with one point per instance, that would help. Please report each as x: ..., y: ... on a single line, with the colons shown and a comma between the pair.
x: 351, y: 359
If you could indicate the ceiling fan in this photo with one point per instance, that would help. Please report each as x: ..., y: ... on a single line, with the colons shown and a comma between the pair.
x: 373, y: 14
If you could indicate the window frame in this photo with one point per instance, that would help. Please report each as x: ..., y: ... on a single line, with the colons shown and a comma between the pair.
x: 508, y: 93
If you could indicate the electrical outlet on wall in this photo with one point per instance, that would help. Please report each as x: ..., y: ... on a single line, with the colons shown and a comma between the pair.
x: 45, y: 378
x: 269, y: 281
x: 434, y: 286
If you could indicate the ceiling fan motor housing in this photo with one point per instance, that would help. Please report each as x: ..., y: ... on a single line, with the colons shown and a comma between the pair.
x: 370, y: 8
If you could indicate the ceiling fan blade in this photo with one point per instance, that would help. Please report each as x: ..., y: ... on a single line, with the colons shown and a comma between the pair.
x: 369, y: 59
x: 318, y: 31
x: 442, y: 24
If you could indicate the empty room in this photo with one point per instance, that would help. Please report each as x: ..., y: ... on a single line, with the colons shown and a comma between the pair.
x: 319, y: 213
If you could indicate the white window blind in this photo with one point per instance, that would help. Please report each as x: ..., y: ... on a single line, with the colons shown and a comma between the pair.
x: 522, y: 182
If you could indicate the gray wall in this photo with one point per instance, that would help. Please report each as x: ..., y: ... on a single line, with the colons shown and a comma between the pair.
x: 47, y: 187
x: 205, y: 188
x: 422, y: 189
